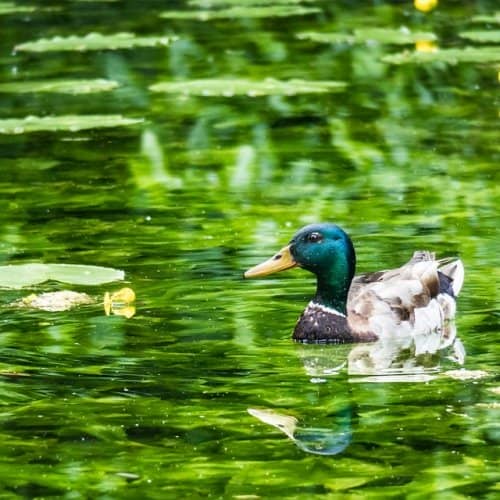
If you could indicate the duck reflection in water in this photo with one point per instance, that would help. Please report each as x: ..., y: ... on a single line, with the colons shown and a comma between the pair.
x: 415, y: 360
x: 315, y: 440
x: 391, y: 359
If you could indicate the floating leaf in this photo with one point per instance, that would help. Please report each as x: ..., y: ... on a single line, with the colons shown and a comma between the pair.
x: 482, y: 36
x: 12, y: 8
x: 493, y: 19
x: 96, y: 1
x: 23, y: 275
x: 449, y: 56
x: 327, y: 37
x: 393, y: 36
x: 94, y: 41
x: 242, y: 12
x: 399, y: 36
x: 232, y: 87
x: 206, y: 4
x: 60, y: 86
x: 71, y: 123
x: 63, y: 300
x: 78, y: 274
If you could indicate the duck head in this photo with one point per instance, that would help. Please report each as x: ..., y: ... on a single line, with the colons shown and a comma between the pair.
x: 323, y: 249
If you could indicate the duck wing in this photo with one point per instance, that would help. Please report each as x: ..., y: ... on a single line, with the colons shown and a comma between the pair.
x: 416, y: 298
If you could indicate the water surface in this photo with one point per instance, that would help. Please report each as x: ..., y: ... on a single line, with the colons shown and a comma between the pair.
x: 403, y: 157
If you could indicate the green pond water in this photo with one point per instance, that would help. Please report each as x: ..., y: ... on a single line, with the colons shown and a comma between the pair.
x: 191, y: 150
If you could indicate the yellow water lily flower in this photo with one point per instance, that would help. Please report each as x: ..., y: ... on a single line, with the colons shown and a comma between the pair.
x: 119, y: 302
x: 126, y: 312
x: 425, y: 5
x: 425, y: 46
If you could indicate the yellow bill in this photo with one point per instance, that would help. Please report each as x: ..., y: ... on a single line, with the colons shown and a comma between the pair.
x: 278, y: 262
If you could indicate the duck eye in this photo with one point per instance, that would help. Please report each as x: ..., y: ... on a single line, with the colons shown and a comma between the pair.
x: 315, y: 237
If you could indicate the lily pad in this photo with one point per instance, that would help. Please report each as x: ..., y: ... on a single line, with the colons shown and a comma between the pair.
x: 13, y: 8
x: 399, y: 36
x: 326, y: 37
x: 450, y: 56
x: 482, y: 36
x: 238, y: 87
x: 73, y: 87
x: 94, y: 41
x: 70, y: 123
x: 23, y: 275
x: 206, y: 4
x: 490, y: 19
x: 252, y: 11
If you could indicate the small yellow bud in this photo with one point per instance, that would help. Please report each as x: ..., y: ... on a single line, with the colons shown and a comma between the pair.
x: 425, y: 5
x: 124, y: 295
x: 120, y: 302
x: 126, y: 312
x: 425, y: 46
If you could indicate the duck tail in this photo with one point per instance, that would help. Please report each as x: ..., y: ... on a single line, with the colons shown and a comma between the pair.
x: 454, y: 271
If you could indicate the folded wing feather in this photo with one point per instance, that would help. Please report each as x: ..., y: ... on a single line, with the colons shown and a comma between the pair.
x: 414, y: 297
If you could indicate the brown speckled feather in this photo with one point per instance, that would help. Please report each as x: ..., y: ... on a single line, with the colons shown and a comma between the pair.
x: 417, y: 297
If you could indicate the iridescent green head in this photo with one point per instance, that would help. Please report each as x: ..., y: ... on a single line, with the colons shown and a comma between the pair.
x: 325, y: 250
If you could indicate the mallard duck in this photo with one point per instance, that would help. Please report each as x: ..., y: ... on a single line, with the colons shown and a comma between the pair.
x: 415, y: 298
